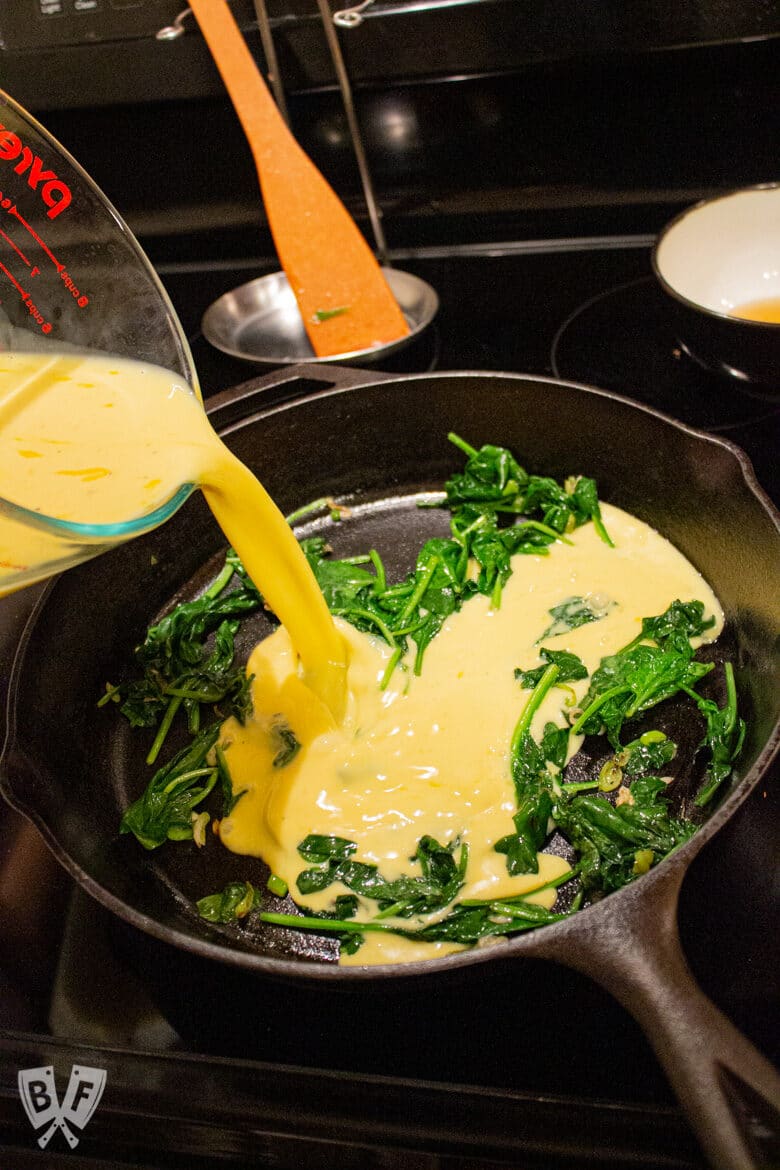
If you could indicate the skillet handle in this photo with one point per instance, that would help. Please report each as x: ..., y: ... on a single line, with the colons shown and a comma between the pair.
x: 233, y: 406
x: 730, y: 1092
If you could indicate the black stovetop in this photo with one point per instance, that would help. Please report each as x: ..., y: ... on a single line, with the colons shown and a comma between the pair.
x: 530, y: 1066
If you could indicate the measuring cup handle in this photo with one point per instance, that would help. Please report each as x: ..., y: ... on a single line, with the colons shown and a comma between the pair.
x: 730, y: 1092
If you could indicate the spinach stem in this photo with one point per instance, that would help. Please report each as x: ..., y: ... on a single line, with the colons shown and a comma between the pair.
x: 419, y: 592
x: 380, y: 585
x: 598, y: 524
x: 731, y: 699
x: 164, y: 727
x: 578, y: 786
x: 480, y: 522
x: 532, y: 706
x: 462, y: 445
x: 307, y: 510
x: 545, y: 528
x: 304, y: 922
x: 596, y: 705
x: 219, y: 582
x: 185, y: 777
x: 391, y: 911
x: 552, y: 884
x: 373, y: 618
x: 393, y: 661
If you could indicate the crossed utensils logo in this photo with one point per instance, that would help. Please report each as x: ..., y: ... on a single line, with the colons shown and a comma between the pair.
x: 39, y: 1098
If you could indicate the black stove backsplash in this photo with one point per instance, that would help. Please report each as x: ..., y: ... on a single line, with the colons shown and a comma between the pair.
x: 598, y: 144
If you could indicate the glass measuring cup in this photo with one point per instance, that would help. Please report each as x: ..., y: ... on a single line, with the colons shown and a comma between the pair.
x: 73, y: 279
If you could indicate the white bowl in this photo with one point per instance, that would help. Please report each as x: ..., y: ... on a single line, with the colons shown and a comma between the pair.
x: 714, y: 258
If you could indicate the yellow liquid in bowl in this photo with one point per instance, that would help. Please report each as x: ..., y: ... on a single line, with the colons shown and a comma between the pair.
x: 767, y: 310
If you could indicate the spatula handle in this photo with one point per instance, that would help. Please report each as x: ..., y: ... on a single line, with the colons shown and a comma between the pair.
x: 251, y: 98
x: 345, y: 302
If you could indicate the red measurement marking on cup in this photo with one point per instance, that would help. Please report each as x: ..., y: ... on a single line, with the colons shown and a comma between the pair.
x: 80, y: 297
x: 18, y: 251
x: 9, y: 206
x: 78, y: 294
x: 33, y: 310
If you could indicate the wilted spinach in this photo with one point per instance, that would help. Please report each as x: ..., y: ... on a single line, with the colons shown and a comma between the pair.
x: 187, y: 660
x: 497, y: 511
x: 165, y: 811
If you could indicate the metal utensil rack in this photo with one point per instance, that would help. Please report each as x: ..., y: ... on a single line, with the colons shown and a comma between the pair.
x: 347, y: 18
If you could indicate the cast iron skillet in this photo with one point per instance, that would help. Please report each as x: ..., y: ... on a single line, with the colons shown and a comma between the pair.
x: 375, y: 441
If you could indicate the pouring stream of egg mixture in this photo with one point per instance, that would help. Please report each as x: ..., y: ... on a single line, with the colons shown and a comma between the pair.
x: 99, y: 440
x: 386, y: 756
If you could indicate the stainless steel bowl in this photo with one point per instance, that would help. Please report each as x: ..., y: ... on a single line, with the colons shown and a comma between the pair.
x: 261, y: 323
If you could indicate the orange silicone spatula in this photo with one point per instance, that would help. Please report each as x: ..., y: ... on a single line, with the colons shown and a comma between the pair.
x: 344, y: 299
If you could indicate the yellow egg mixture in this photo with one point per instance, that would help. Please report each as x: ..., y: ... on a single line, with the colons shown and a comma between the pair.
x: 97, y: 440
x: 430, y: 754
x: 100, y: 440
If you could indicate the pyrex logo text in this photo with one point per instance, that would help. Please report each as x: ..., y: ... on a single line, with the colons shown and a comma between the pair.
x: 54, y: 193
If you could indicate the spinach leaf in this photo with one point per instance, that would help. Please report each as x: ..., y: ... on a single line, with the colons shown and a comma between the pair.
x: 466, y: 923
x: 418, y: 605
x: 724, y: 737
x: 570, y: 668
x: 585, y: 506
x: 165, y: 811
x: 640, y: 675
x: 682, y: 621
x: 554, y: 745
x: 492, y: 476
x: 319, y: 848
x: 575, y: 612
x: 285, y: 741
x: 650, y: 753
x: 229, y: 798
x: 628, y: 683
x: 493, y: 480
x: 234, y: 902
x: 441, y: 878
x: 238, y: 899
x: 469, y: 924
x: 615, y: 844
x: 341, y: 581
x: 187, y: 660
x: 532, y: 781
